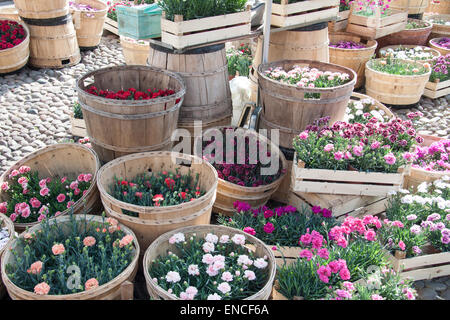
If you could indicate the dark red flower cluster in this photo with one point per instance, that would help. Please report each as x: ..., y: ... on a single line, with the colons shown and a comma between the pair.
x: 11, y: 34
x: 131, y: 93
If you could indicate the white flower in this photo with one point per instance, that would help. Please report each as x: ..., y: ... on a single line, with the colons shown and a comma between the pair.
x: 224, y: 239
x: 211, y: 271
x: 214, y: 296
x: 219, y: 257
x: 415, y: 229
x: 404, y: 191
x: 250, y: 275
x: 244, y: 259
x: 192, y: 291
x: 408, y: 199
x: 193, y: 270
x: 224, y: 287
x: 411, y: 217
x: 208, y: 258
x: 211, y: 238
x: 422, y: 188
x: 208, y: 247
x: 176, y: 238
x: 359, y: 112
x: 238, y: 239
x: 227, y: 276
x: 173, y: 276
x: 392, y: 193
x: 260, y: 263
x: 218, y: 265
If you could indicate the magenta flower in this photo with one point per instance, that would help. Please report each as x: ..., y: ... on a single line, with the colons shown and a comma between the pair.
x: 390, y: 158
x: 269, y: 227
x: 250, y: 230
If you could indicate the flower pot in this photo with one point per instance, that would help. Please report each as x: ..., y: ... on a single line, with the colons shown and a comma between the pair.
x: 89, y: 25
x: 5, y: 222
x: 134, y: 52
x: 439, y: 30
x: 407, y: 36
x: 354, y: 59
x: 154, y: 221
x: 161, y: 246
x: 15, y: 58
x: 442, y: 50
x: 108, y: 291
x: 403, y: 89
x: 228, y: 193
x: 112, y: 124
x: 434, y: 52
x: 42, y: 9
x: 64, y: 159
x: 413, y: 6
x: 284, y: 107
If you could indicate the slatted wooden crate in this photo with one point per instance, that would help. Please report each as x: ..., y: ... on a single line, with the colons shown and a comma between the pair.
x: 290, y: 254
x: 428, y: 266
x: 181, y: 34
x: 341, y: 23
x: 344, y: 182
x: 310, y: 11
x: 112, y: 26
x: 376, y: 26
x: 436, y: 90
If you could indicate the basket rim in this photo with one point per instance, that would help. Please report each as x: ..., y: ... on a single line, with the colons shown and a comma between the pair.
x: 436, y: 54
x: 6, y: 221
x: 76, y: 205
x: 210, y: 227
x: 432, y: 43
x: 427, y: 74
x: 24, y: 43
x: 374, y: 43
x: 84, y: 294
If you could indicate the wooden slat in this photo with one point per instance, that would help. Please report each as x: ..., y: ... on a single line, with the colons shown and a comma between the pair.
x: 311, y: 17
x: 303, y: 6
x: 427, y: 273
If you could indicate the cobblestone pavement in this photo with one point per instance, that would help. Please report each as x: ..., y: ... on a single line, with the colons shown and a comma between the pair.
x: 35, y: 107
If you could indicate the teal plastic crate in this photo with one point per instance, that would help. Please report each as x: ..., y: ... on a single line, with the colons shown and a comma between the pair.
x: 139, y: 22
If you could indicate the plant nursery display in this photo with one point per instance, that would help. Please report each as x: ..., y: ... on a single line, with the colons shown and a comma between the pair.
x: 365, y: 108
x: 239, y: 60
x: 439, y: 82
x: 434, y: 157
x: 40, y: 260
x: 209, y: 263
x: 441, y: 25
x: 405, y: 52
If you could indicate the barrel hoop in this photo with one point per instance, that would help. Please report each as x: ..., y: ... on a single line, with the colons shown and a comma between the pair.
x: 62, y: 37
x: 131, y: 116
x: 131, y: 150
x: 58, y: 21
x: 202, y: 73
x: 206, y: 106
x: 282, y: 129
x: 313, y: 101
x: 202, y: 50
x: 76, y: 56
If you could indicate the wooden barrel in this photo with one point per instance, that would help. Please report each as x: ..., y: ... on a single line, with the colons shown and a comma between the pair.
x: 62, y: 159
x: 135, y: 52
x: 442, y: 50
x: 42, y: 9
x: 5, y: 222
x: 228, y: 193
x: 439, y: 30
x: 413, y: 6
x: 407, y: 36
x: 121, y: 127
x: 161, y: 245
x: 108, y: 291
x: 205, y: 71
x: 154, y: 221
x: 434, y: 52
x: 418, y: 175
x: 439, y: 6
x: 53, y: 43
x: 15, y: 58
x: 298, y: 111
x: 402, y: 90
x: 89, y: 25
x: 354, y: 59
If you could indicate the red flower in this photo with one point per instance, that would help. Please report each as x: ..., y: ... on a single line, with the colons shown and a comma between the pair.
x: 183, y: 195
x: 170, y: 183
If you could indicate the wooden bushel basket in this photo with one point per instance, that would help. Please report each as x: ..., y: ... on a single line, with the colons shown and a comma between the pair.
x: 154, y: 221
x: 113, y: 290
x: 89, y: 25
x: 161, y: 245
x: 433, y: 45
x: 42, y: 9
x: 63, y: 159
x: 15, y: 58
x: 135, y: 52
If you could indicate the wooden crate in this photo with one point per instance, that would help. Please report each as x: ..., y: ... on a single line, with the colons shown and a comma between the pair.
x: 341, y: 23
x: 376, y: 26
x: 78, y: 127
x: 344, y: 182
x: 436, y: 90
x: 309, y: 11
x: 181, y: 34
x: 290, y: 254
x: 428, y: 266
x: 112, y: 26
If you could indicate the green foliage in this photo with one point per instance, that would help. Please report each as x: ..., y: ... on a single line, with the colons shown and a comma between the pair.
x: 77, y: 113
x: 239, y: 60
x: 397, y: 67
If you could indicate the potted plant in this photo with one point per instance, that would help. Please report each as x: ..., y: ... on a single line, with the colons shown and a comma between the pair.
x: 353, y: 159
x: 239, y: 61
x: 441, y: 25
x: 88, y: 19
x: 362, y: 108
x: 14, y: 45
x: 209, y: 263
x: 409, y: 52
x: 439, y: 82
x: 408, y: 79
x: 195, y: 22
x: 134, y: 51
x: 78, y: 127
x: 111, y: 17
x: 441, y: 44
x: 71, y: 258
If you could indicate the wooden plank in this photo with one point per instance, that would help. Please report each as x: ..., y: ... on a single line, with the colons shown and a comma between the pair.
x: 303, y: 6
x: 343, y: 188
x: 312, y: 17
x: 427, y: 273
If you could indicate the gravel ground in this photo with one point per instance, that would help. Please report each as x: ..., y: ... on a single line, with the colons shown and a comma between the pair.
x: 35, y: 107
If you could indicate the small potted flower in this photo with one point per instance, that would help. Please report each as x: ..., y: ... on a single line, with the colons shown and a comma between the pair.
x: 249, y: 166
x: 441, y: 25
x: 416, y: 32
x: 409, y: 52
x: 353, y: 159
x: 239, y: 61
x: 88, y: 19
x: 78, y: 127
x: 407, y: 79
x: 362, y: 108
x: 209, y: 262
x: 75, y: 257
x: 134, y: 51
x: 441, y: 44
x: 439, y: 83
x: 14, y: 45
x: 280, y: 228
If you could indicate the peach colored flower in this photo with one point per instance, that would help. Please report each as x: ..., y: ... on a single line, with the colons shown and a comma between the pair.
x: 89, y: 241
x: 125, y: 240
x: 35, y: 267
x: 42, y: 288
x: 58, y: 249
x: 112, y: 229
x: 91, y: 284
x: 112, y: 221
x: 28, y: 236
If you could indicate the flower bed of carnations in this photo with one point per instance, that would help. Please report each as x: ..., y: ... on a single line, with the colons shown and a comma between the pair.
x: 72, y: 257
x: 131, y: 93
x: 409, y: 52
x: 439, y: 83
